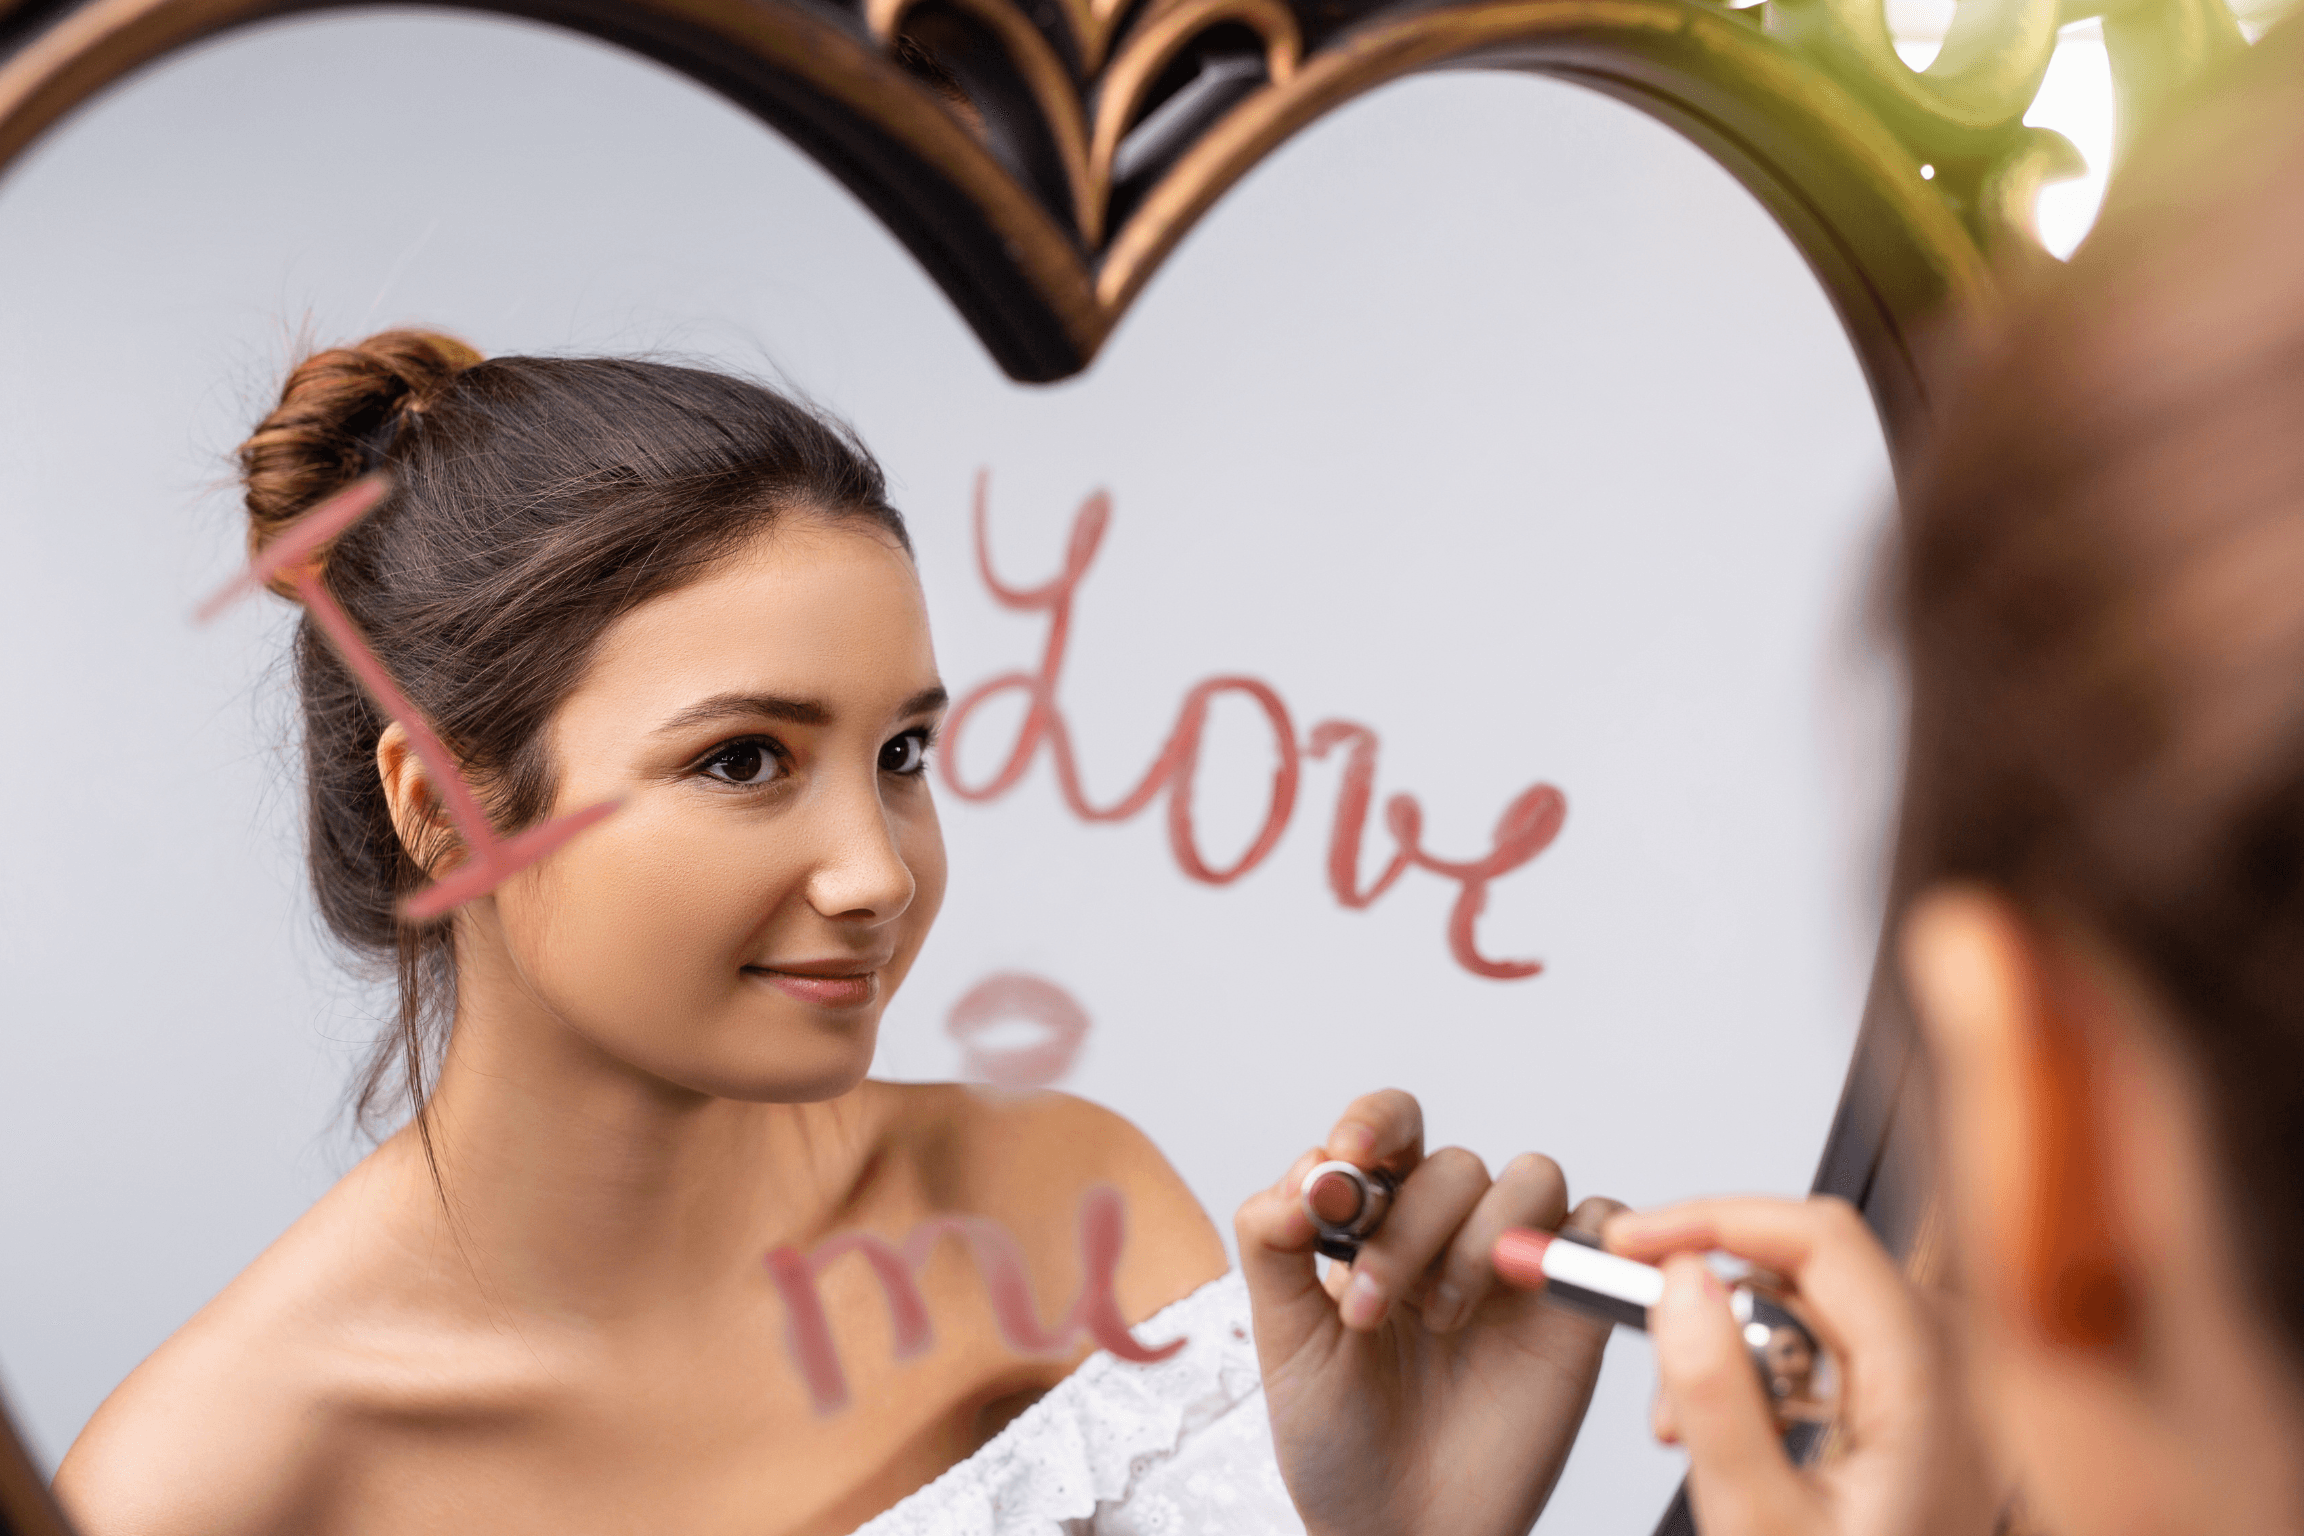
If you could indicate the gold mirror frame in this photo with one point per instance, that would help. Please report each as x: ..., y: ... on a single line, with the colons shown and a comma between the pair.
x: 1041, y: 160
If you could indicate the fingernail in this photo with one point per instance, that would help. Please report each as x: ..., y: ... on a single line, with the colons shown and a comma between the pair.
x: 1689, y: 1281
x: 1354, y: 1144
x: 1363, y: 1305
x: 1679, y: 1285
x: 1444, y: 1308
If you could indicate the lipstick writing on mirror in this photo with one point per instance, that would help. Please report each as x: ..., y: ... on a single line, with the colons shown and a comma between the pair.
x: 1346, y: 1204
x: 1801, y: 1377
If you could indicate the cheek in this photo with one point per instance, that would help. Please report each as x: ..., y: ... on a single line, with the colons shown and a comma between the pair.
x: 921, y: 839
x: 650, y: 911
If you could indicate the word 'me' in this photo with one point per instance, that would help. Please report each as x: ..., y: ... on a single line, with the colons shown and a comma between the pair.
x: 1525, y: 829
x: 1001, y: 1264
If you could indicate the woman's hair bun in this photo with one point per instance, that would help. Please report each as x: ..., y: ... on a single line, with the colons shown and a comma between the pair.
x: 337, y: 415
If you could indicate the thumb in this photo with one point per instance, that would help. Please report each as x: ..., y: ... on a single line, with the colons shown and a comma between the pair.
x: 1739, y: 1478
x: 1287, y: 1303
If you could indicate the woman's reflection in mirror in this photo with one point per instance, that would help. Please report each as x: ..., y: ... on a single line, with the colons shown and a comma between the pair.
x: 633, y: 1072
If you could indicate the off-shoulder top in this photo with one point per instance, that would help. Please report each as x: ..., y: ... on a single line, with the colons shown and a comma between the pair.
x: 1177, y: 1448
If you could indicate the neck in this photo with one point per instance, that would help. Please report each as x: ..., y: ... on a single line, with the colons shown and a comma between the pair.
x: 576, y: 1182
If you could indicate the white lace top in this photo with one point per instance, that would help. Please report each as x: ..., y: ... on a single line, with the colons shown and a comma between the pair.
x: 1180, y: 1448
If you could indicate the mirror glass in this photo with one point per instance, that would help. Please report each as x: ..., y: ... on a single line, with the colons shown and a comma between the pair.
x: 1487, y: 416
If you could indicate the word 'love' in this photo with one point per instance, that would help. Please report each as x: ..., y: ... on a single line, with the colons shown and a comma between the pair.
x: 1001, y: 1264
x: 1527, y: 827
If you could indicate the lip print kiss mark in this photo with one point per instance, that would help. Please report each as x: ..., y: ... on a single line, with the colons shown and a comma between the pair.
x: 490, y: 860
x: 1525, y: 829
x: 1033, y: 999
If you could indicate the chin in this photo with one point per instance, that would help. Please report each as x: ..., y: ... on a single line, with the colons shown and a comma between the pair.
x: 824, y: 1070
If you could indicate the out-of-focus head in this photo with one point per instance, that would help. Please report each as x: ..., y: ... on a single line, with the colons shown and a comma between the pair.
x: 611, y: 579
x: 2101, y: 598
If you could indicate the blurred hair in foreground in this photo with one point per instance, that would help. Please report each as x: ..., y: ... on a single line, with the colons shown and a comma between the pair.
x: 2101, y: 596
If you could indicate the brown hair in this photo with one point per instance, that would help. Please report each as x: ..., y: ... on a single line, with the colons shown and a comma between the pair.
x: 2101, y: 596
x: 533, y: 501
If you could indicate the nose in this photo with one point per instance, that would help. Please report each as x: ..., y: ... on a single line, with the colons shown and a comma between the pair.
x: 860, y: 873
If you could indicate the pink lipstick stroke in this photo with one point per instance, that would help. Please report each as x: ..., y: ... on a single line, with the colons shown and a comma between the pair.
x: 491, y: 860
x: 999, y: 1261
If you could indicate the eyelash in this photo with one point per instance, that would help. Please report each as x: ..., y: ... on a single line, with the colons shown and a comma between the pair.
x: 925, y: 735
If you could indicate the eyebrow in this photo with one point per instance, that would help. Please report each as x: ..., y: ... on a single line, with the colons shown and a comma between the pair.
x: 757, y: 706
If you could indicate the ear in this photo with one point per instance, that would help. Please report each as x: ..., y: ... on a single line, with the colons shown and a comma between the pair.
x: 412, y: 799
x: 2023, y: 1048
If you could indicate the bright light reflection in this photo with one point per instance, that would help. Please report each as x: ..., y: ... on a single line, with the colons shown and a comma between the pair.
x: 2076, y: 101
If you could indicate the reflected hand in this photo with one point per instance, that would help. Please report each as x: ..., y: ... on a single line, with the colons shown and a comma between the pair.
x: 1413, y: 1394
x: 1911, y: 1464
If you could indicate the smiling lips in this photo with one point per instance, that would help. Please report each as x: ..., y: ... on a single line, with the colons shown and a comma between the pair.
x: 826, y: 983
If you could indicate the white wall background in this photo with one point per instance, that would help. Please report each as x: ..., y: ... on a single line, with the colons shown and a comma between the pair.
x: 1488, y: 413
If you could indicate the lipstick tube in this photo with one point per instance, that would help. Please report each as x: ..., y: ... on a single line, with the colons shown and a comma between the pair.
x: 1347, y: 1204
x: 1801, y: 1377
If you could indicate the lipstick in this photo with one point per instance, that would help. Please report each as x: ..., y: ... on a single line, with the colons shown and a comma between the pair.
x: 1800, y: 1375
x: 1346, y: 1204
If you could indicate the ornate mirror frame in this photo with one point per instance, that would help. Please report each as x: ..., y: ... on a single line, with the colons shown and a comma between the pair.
x: 1041, y: 158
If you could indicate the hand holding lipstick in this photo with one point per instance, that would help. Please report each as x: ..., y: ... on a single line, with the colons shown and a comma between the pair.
x: 1411, y: 1393
x: 1911, y: 1464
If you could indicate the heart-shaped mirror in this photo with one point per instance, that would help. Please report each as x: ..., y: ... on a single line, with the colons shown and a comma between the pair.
x: 1425, y: 647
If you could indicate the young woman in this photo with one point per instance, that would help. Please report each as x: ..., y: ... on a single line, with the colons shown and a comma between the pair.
x: 544, y: 1304
x: 2102, y: 609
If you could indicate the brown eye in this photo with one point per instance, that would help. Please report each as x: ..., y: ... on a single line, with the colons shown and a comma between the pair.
x: 745, y: 762
x: 906, y: 754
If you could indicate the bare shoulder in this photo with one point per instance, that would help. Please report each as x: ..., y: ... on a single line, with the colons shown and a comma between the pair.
x: 1026, y: 1160
x: 255, y: 1415
x: 210, y: 1434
